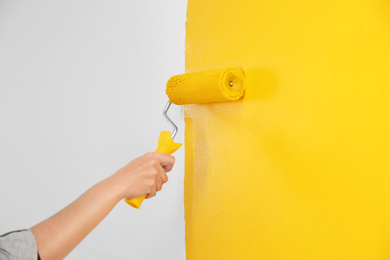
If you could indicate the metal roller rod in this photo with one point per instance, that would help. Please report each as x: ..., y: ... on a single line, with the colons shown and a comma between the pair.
x: 165, y: 111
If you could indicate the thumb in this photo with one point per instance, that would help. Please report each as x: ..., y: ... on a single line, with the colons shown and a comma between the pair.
x: 166, y: 160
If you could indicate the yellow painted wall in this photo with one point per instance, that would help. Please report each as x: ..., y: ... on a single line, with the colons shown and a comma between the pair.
x: 300, y: 167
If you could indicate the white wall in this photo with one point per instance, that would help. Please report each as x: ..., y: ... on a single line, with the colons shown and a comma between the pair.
x: 82, y: 87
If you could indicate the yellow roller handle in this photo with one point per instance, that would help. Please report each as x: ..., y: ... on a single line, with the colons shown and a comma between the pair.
x: 165, y: 145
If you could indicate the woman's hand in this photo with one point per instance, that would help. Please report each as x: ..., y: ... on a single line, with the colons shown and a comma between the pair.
x: 144, y: 175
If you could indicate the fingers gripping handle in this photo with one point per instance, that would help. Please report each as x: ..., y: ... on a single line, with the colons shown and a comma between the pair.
x: 165, y: 145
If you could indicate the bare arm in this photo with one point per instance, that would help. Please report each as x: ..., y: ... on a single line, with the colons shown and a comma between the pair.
x: 58, y: 235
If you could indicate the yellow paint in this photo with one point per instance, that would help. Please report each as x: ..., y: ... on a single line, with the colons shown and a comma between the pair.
x: 206, y: 86
x: 300, y: 167
x: 165, y: 145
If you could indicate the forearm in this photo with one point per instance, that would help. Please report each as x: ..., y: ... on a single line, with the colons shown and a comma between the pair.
x: 58, y: 235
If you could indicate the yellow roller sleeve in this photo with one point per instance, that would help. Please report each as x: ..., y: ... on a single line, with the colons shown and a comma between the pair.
x: 206, y: 87
x: 165, y: 145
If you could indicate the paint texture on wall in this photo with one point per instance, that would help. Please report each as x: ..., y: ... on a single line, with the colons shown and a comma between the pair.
x: 299, y: 167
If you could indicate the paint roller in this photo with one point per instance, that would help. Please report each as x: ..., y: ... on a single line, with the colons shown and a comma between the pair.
x: 196, y: 88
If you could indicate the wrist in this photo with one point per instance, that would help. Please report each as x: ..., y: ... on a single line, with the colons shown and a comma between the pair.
x: 115, y: 186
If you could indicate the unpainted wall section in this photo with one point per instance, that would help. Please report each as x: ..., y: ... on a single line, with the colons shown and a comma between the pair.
x: 82, y: 88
